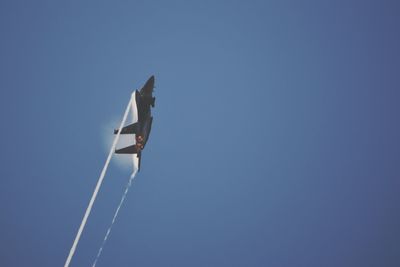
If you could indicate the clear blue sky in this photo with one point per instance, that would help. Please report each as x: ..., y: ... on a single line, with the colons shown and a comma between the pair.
x: 275, y: 138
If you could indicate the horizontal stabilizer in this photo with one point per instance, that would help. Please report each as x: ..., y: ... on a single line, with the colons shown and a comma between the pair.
x: 127, y: 150
x: 130, y: 129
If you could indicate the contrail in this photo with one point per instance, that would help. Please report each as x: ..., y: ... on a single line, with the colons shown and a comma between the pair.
x: 96, y: 190
x: 115, y: 216
x: 135, y: 169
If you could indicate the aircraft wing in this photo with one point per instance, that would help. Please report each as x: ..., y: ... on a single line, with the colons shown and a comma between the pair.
x: 127, y: 150
x: 129, y: 129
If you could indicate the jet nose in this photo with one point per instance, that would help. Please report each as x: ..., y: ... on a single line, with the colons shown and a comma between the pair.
x: 149, y: 83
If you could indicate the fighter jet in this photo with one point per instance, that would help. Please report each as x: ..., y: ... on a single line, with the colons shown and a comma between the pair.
x: 141, y: 128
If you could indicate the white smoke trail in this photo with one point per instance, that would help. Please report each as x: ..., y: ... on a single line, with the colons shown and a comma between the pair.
x: 96, y: 190
x: 135, y: 169
x: 115, y: 216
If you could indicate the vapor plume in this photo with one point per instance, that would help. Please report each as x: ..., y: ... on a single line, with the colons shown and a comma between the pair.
x: 97, y: 188
x: 115, y: 217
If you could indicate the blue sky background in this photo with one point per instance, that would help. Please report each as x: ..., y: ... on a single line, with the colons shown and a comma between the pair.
x: 275, y: 138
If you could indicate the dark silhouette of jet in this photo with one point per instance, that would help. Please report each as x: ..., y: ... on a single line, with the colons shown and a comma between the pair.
x: 141, y: 128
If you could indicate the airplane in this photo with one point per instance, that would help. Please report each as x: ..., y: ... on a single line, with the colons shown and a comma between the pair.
x: 141, y: 128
